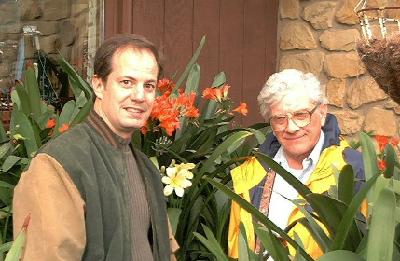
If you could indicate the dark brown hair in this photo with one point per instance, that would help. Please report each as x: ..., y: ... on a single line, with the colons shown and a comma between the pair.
x: 104, y: 54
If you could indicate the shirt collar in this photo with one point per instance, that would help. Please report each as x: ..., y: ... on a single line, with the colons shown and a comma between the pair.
x: 97, y: 122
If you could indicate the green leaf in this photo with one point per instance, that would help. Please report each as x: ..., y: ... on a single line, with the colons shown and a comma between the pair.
x: 27, y: 131
x: 77, y: 83
x: 259, y: 135
x: 9, y: 163
x: 369, y: 156
x: 243, y: 246
x: 66, y: 113
x: 83, y: 112
x: 288, y: 177
x: 81, y: 100
x: 383, y: 223
x: 348, y: 217
x: 33, y: 93
x: 16, y: 248
x: 193, y: 80
x: 340, y: 255
x: 3, y: 134
x: 211, y: 244
x: 4, y: 148
x: 390, y: 159
x: 21, y: 99
x: 316, y: 231
x: 272, y: 244
x: 258, y: 216
x: 346, y: 184
x: 191, y: 62
x: 173, y: 214
x: 211, y: 106
x: 6, y: 246
x: 219, y: 79
x: 231, y: 142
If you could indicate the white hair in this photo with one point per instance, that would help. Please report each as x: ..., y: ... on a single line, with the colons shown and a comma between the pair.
x: 289, y: 82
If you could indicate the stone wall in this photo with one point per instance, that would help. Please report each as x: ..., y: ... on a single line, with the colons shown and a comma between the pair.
x: 319, y: 37
x: 61, y: 25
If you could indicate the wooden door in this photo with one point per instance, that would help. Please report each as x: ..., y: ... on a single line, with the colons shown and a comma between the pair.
x: 241, y: 39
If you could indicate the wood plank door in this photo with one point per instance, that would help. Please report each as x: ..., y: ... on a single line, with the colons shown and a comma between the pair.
x: 241, y: 39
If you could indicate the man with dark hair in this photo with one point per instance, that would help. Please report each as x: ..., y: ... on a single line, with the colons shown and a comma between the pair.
x: 90, y: 194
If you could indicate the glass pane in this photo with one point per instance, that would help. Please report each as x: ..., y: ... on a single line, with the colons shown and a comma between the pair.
x: 35, y: 32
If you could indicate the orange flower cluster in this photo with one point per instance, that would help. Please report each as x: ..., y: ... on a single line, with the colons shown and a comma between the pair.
x: 381, y: 164
x: 242, y: 109
x: 165, y: 85
x: 50, y: 123
x: 219, y: 94
x: 64, y: 127
x: 384, y: 140
x: 168, y: 110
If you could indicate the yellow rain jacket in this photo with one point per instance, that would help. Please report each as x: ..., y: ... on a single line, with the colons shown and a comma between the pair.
x: 250, y: 174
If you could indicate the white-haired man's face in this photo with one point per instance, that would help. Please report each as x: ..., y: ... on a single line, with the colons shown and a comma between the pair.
x: 296, y: 122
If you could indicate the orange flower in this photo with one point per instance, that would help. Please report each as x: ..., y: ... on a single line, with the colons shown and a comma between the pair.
x: 209, y: 94
x: 51, y: 123
x: 64, y: 127
x: 170, y: 124
x: 394, y: 141
x: 382, y: 141
x: 165, y: 85
x: 222, y: 93
x: 242, y: 109
x: 192, y: 112
x: 381, y: 164
x: 218, y: 94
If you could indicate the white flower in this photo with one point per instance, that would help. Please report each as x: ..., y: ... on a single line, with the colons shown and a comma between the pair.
x: 177, y: 178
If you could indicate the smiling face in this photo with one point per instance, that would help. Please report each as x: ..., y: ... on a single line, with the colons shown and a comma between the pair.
x: 298, y: 142
x: 126, y: 98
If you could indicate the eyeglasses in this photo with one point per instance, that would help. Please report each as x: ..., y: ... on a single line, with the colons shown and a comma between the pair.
x: 301, y: 118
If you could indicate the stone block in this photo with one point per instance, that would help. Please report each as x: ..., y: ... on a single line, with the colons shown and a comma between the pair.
x: 340, y: 40
x: 8, y: 9
x: 320, y: 14
x: 345, y: 13
x: 80, y: 8
x: 7, y: 36
x: 4, y: 69
x: 349, y: 122
x: 66, y: 51
x: 381, y: 122
x: 364, y: 90
x: 397, y: 110
x: 14, y: 28
x: 50, y: 44
x: 343, y: 64
x: 336, y: 92
x: 46, y: 27
x: 56, y: 9
x: 297, y: 35
x: 68, y: 33
x: 289, y: 9
x: 309, y: 61
x: 30, y: 9
x: 390, y: 104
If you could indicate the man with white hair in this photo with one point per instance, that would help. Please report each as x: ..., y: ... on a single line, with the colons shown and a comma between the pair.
x: 305, y: 140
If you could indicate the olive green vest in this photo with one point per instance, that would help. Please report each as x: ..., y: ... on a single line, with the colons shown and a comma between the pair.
x: 97, y: 169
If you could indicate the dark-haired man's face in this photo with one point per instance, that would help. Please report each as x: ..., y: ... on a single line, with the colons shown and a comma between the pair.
x: 126, y: 98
